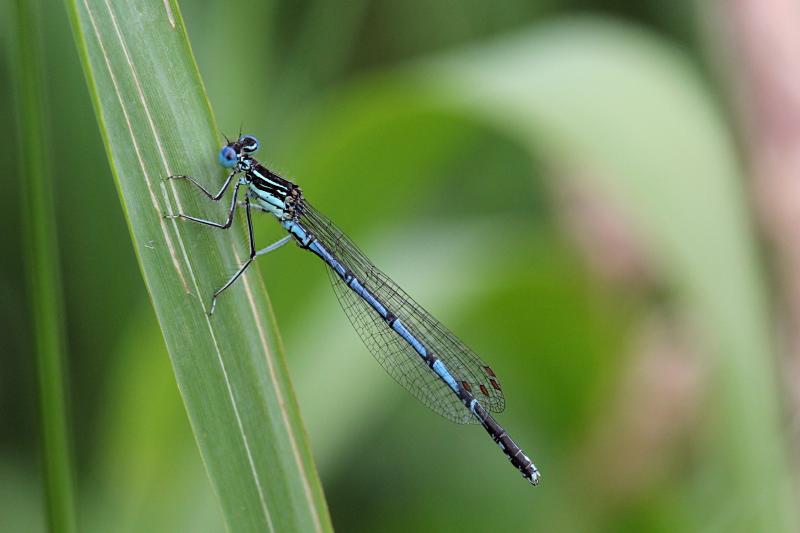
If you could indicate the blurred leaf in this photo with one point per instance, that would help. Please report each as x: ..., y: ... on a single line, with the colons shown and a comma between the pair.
x: 614, y: 100
x: 43, y: 268
x: 156, y: 121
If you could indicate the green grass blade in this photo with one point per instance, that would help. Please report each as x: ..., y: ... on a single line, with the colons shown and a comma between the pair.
x: 42, y: 264
x: 156, y: 121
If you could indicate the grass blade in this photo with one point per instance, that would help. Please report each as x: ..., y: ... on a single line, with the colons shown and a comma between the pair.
x: 156, y: 121
x: 42, y: 266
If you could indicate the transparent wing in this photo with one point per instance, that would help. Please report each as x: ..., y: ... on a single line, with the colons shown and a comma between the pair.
x: 396, y: 356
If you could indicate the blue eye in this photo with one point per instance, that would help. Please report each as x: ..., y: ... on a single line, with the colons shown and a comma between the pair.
x: 248, y: 143
x: 227, y: 157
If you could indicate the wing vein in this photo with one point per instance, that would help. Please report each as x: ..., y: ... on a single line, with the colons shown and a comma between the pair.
x: 394, y: 354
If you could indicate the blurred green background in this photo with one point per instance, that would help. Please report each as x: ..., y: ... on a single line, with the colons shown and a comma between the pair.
x: 555, y: 244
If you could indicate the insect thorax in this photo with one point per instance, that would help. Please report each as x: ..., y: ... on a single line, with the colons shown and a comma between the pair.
x: 272, y: 192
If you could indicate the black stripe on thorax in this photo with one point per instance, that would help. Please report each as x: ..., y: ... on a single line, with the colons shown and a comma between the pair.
x: 265, y: 180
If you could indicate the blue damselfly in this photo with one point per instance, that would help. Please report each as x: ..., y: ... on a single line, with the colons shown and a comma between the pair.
x: 412, y: 346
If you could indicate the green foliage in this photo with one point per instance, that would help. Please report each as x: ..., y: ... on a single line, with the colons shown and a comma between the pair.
x: 442, y: 168
x: 43, y: 269
x: 687, y: 202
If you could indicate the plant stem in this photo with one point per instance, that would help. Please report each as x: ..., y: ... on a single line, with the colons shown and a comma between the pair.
x: 42, y: 267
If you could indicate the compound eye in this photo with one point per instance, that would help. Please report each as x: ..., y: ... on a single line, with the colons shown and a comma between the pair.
x: 227, y: 157
x: 248, y: 143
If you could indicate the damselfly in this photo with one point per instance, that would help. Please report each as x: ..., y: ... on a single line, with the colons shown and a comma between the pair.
x: 412, y: 346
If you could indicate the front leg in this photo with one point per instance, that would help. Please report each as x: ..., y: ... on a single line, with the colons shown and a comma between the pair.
x: 199, y: 185
x: 225, y: 225
x: 246, y: 264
